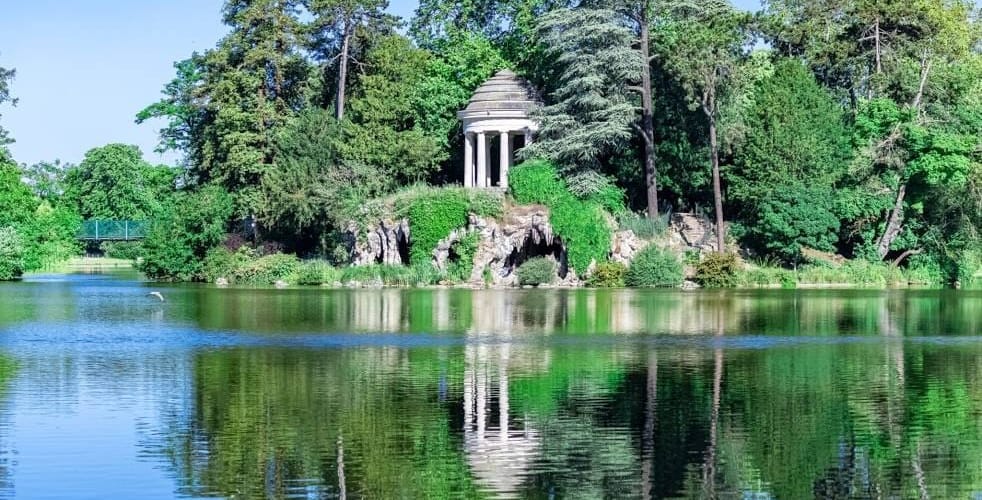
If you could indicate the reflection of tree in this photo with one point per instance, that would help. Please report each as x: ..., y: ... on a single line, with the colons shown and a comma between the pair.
x: 272, y: 423
x: 8, y: 368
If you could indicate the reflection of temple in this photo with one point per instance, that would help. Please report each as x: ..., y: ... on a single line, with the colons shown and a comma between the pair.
x: 499, y: 451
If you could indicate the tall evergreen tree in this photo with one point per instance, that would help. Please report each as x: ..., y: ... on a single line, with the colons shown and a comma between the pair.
x: 592, y: 111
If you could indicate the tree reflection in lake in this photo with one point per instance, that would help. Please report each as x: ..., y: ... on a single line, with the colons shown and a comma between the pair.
x: 530, y: 394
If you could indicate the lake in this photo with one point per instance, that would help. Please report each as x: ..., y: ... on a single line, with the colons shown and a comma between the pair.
x: 307, y: 393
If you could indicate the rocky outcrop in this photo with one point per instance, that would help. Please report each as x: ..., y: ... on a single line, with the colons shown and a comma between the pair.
x: 524, y: 232
x: 385, y: 243
x: 624, y: 246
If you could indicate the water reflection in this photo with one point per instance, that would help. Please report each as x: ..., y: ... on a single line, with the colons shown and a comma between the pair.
x: 560, y: 394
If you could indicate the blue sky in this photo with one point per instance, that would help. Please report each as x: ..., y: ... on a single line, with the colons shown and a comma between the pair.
x: 86, y: 67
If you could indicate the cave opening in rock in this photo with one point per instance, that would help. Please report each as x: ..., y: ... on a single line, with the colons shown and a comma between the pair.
x: 539, y: 247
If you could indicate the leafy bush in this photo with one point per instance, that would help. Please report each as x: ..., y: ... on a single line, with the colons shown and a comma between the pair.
x: 925, y: 270
x: 717, y: 270
x: 50, y: 236
x: 537, y: 271
x: 654, y: 267
x: 11, y: 254
x: 182, y: 234
x: 268, y: 269
x: 584, y: 230
x: 608, y: 275
x: 970, y: 269
x: 462, y: 257
x: 127, y: 250
x: 582, y: 224
x: 536, y: 181
x: 794, y: 217
x: 246, y: 267
x: 317, y: 272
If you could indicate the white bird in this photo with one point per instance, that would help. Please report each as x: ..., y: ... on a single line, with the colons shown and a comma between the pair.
x: 156, y: 294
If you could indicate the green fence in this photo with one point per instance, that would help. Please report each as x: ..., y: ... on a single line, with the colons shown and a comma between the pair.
x: 115, y: 230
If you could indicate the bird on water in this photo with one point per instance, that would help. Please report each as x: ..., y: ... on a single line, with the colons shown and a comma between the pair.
x: 156, y: 294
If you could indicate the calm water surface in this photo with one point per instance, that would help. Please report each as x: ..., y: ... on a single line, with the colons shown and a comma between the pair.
x: 460, y: 394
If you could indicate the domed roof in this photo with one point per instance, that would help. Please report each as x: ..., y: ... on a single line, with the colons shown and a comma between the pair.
x: 505, y: 91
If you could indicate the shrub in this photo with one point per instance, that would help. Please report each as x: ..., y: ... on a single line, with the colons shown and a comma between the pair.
x: 220, y: 262
x: 50, y: 237
x: 11, y: 254
x: 969, y: 268
x: 858, y: 272
x: 717, y: 270
x: 766, y: 276
x: 654, y: 267
x: 127, y: 250
x: 925, y: 270
x: 268, y: 269
x: 537, y: 271
x: 317, y: 272
x: 608, y: 275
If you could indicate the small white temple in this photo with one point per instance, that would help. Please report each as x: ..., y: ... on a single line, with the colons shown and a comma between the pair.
x: 496, y: 124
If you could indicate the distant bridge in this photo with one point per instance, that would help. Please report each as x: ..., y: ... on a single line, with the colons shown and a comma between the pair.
x: 113, y: 230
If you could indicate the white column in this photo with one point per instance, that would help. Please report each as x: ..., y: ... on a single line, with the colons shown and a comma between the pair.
x: 468, y: 160
x: 482, y: 160
x: 505, y: 159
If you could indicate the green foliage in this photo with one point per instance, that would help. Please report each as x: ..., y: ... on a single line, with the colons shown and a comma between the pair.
x: 6, y: 75
x: 592, y: 109
x: 856, y: 272
x: 717, y: 270
x: 969, y: 273
x: 462, y: 254
x: 654, y: 267
x: 11, y: 254
x: 417, y: 275
x: 182, y: 233
x: 765, y: 276
x: 535, y: 181
x: 17, y: 204
x: 795, y: 217
x: 317, y: 272
x: 246, y: 267
x: 608, y: 275
x: 126, y: 250
x: 431, y: 219
x: 642, y: 226
x: 925, y: 270
x: 114, y: 182
x: 50, y: 236
x: 434, y: 213
x: 537, y: 271
x: 582, y: 224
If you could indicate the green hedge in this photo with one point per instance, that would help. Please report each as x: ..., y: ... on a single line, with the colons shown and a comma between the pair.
x: 434, y: 212
x: 581, y: 223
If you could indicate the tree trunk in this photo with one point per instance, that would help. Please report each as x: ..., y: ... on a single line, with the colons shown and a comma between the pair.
x: 343, y: 70
x: 647, y: 113
x: 894, y: 223
x: 709, y: 107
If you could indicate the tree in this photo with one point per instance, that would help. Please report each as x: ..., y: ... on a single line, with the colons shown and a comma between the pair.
x: 183, y: 107
x: 114, y: 182
x: 182, y: 232
x: 592, y: 112
x: 335, y: 27
x: 874, y: 51
x: 254, y: 81
x: 6, y: 76
x: 46, y: 179
x: 707, y: 40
